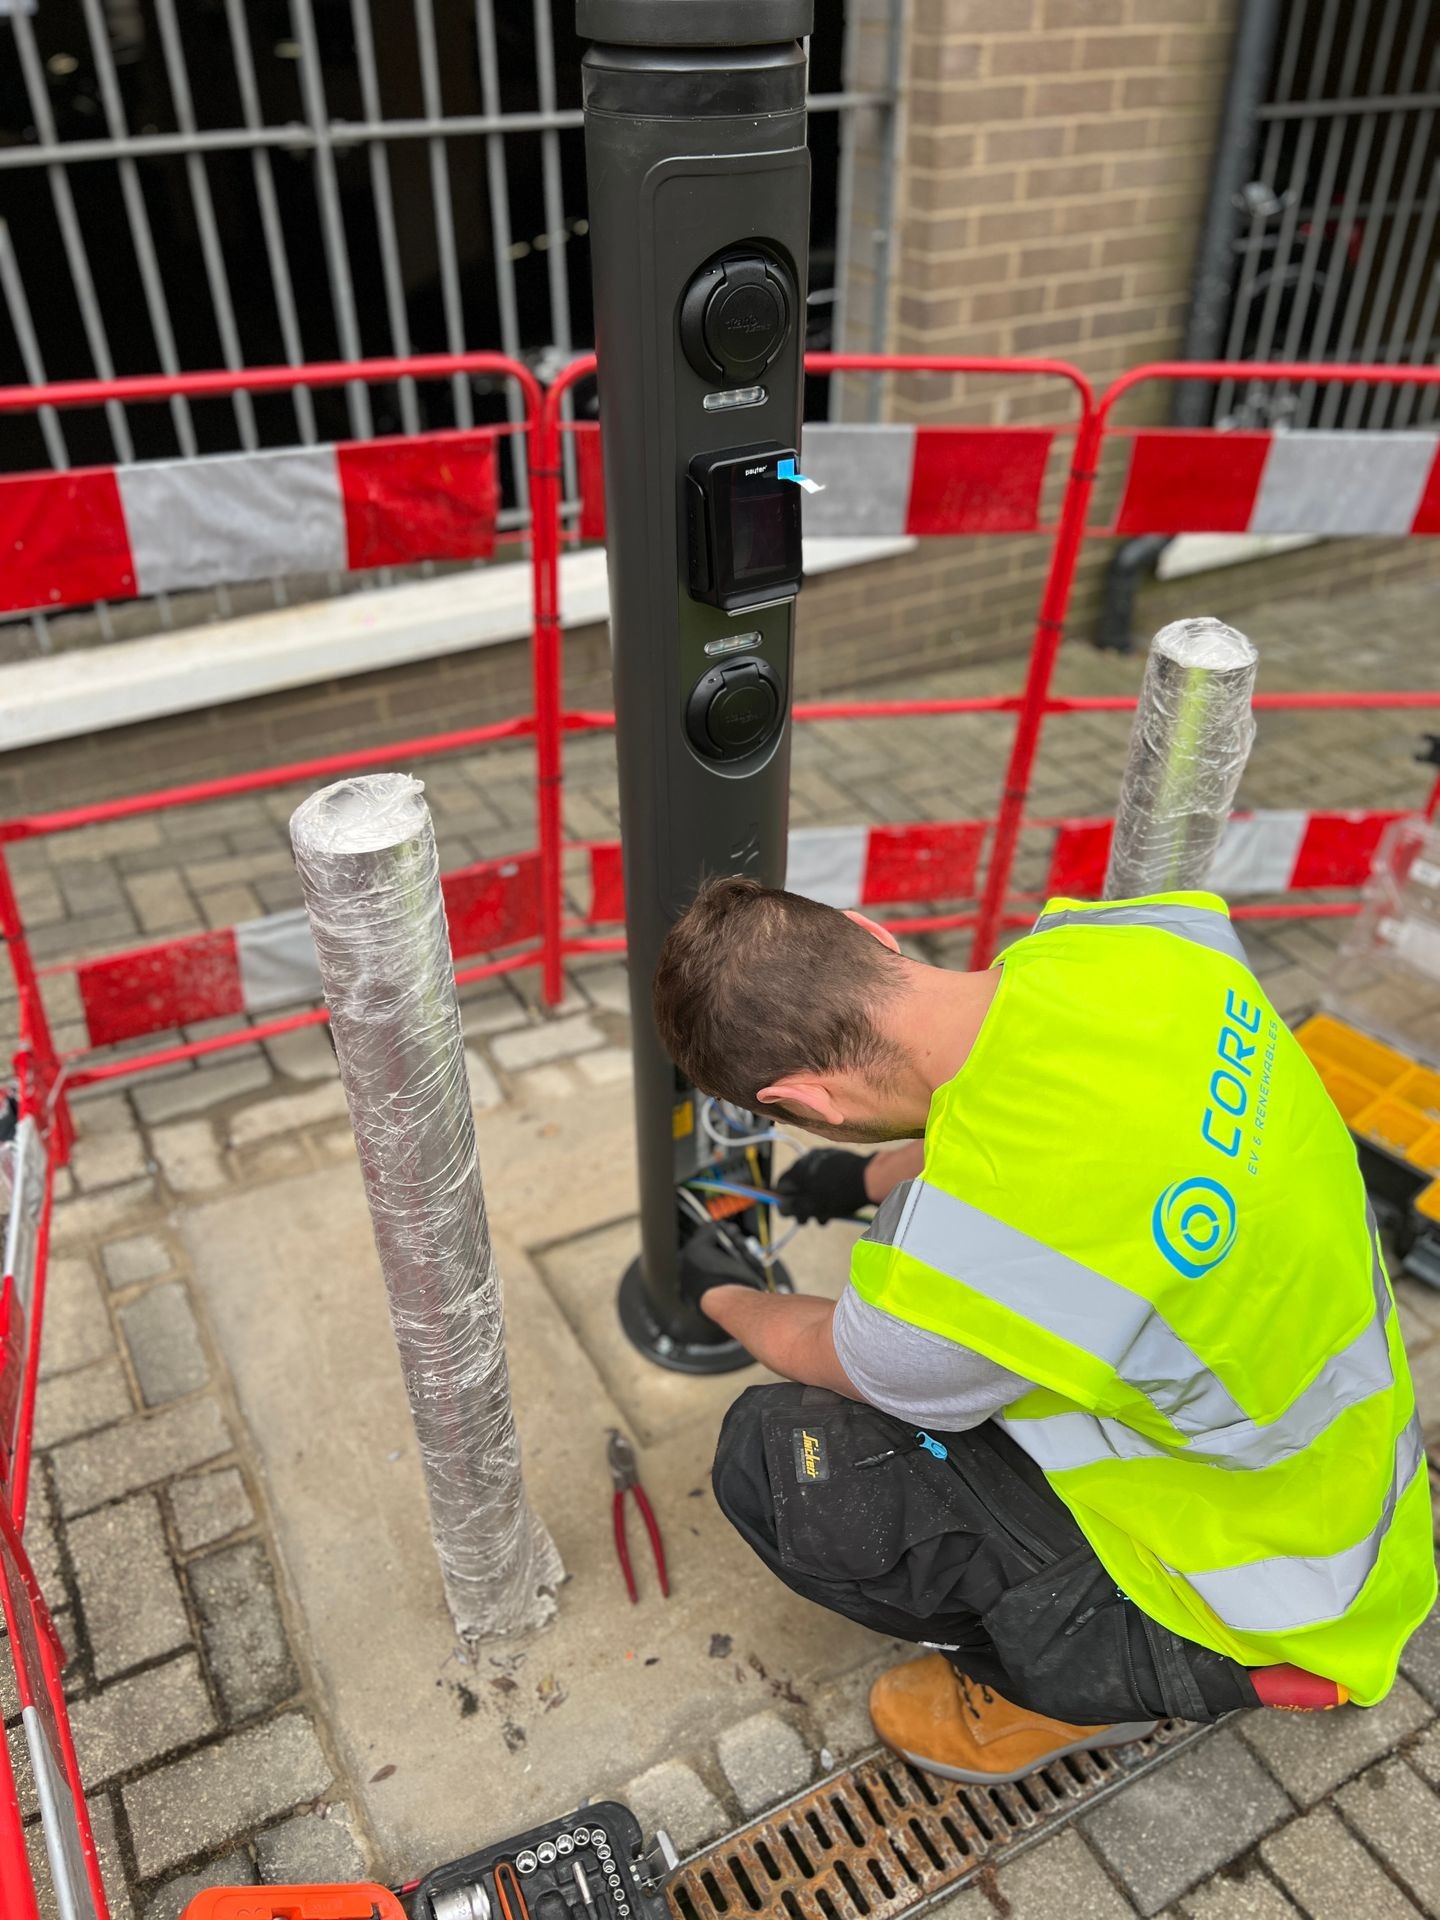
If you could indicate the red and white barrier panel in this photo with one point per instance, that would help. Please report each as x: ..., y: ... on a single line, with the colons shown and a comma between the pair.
x: 1270, y: 852
x: 1183, y: 480
x: 111, y: 533
x: 891, y: 480
x: 261, y: 966
x: 845, y: 866
x: 265, y: 965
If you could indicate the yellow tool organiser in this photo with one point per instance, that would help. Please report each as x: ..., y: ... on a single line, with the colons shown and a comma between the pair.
x: 1391, y: 1104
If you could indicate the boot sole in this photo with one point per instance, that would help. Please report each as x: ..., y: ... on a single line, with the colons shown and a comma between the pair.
x: 1114, y: 1737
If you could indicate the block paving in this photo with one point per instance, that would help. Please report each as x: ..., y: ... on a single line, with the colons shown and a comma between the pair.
x: 202, y: 1732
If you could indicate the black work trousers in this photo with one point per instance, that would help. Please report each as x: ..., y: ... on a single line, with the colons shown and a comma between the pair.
x: 972, y: 1553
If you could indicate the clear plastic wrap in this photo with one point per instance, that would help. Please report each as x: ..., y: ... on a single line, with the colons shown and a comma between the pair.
x: 1386, y: 977
x: 365, y: 850
x: 1192, y: 736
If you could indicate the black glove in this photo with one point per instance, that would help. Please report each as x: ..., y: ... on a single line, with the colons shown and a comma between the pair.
x: 709, y: 1258
x: 828, y: 1183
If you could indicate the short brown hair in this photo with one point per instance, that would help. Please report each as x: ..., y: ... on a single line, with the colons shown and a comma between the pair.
x: 754, y: 983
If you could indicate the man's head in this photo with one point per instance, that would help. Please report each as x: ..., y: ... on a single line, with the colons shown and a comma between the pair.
x: 776, y: 1003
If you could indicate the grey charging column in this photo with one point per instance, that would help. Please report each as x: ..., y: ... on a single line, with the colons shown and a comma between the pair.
x: 699, y: 188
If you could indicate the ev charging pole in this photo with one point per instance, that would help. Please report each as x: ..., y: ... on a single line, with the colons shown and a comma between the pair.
x: 699, y: 188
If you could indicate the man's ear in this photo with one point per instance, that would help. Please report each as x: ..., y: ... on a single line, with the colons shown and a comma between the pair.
x: 882, y: 934
x: 805, y: 1094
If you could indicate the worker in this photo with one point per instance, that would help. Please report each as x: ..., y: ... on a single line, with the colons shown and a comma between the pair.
x: 1113, y: 1415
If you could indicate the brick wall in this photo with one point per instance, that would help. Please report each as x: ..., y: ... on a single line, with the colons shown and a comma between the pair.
x: 1056, y: 161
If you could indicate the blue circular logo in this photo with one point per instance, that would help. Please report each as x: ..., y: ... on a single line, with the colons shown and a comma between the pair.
x: 1194, y: 1225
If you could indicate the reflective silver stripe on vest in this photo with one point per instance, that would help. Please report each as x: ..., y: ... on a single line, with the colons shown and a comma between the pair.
x: 1064, y: 1442
x: 1126, y: 1332
x: 1277, y: 1596
x: 1076, y: 1304
x: 1203, y: 925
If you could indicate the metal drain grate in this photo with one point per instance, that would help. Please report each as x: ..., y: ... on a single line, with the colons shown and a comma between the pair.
x: 881, y: 1839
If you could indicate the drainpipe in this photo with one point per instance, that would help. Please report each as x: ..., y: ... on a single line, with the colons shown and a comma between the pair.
x: 1235, y: 150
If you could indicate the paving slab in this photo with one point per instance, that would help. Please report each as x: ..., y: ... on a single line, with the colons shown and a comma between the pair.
x: 313, y: 1849
x: 1328, y: 1871
x: 609, y: 1690
x: 69, y: 1404
x: 1244, y: 1896
x: 129, y: 1595
x: 1059, y: 1877
x: 140, y: 1719
x: 144, y: 1257
x: 207, y: 1506
x: 1185, y: 1820
x: 244, y: 1634
x: 164, y: 1344
x: 765, y: 1760
x: 223, y: 1790
x: 1399, y: 1816
x: 1311, y: 1753
x: 133, y: 1454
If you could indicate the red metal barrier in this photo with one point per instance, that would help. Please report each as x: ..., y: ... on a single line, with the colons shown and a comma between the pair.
x: 941, y: 481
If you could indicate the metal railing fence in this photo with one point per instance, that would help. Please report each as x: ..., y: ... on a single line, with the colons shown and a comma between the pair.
x: 221, y: 194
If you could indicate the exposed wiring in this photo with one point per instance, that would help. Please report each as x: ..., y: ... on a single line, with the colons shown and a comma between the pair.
x: 762, y: 1217
x: 735, y: 1137
x: 762, y: 1194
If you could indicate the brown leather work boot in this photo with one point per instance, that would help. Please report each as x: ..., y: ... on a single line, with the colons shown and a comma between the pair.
x: 946, y: 1724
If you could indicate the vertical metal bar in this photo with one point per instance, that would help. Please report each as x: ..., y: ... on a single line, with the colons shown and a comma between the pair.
x: 138, y: 217
x: 498, y: 178
x: 378, y: 155
x: 557, y: 239
x: 1407, y: 396
x: 848, y: 134
x: 173, y: 48
x: 885, y: 216
x: 18, y: 308
x: 1253, y: 246
x: 1419, y: 260
x: 1290, y: 220
x: 433, y: 103
x: 270, y: 222
x: 1044, y: 648
x: 1362, y: 283
x: 332, y: 219
x: 31, y: 359
x: 1296, y: 344
x: 38, y: 98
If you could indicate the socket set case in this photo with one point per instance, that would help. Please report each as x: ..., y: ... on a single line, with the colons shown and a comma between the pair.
x: 604, y: 1840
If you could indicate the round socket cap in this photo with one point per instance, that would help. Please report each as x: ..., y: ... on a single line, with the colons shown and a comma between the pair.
x: 694, y: 23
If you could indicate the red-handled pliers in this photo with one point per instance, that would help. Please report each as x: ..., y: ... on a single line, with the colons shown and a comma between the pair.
x: 621, y: 1456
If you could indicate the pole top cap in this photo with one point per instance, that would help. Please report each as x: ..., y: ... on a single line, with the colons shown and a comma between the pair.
x: 694, y: 23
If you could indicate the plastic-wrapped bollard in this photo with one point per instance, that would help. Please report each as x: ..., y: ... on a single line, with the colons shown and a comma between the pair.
x: 365, y: 850
x: 1192, y: 736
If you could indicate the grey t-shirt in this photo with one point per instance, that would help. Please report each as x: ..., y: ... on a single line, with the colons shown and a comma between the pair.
x: 917, y: 1375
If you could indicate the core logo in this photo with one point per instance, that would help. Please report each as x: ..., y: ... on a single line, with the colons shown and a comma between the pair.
x: 1194, y: 1225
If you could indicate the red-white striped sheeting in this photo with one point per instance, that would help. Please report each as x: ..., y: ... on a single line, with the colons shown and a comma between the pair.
x: 891, y: 480
x: 1278, y: 851
x: 261, y: 966
x: 111, y: 533
x: 1183, y: 480
x: 844, y: 866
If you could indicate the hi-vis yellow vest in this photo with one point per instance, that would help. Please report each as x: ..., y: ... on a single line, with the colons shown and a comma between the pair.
x: 1137, y: 1193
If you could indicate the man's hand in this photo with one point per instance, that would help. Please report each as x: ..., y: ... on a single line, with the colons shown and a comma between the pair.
x: 788, y: 1332
x: 823, y: 1185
